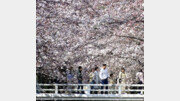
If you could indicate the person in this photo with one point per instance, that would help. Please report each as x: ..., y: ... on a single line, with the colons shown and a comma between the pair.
x: 96, y: 79
x: 91, y: 79
x: 96, y: 75
x: 122, y: 80
x: 57, y: 78
x: 103, y: 74
x: 112, y: 82
x: 70, y: 76
x: 63, y: 73
x: 91, y: 76
x: 80, y: 78
x: 140, y: 79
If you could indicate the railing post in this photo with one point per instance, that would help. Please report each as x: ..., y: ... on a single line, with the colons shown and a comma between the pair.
x: 119, y: 89
x: 88, y: 89
x: 56, y: 89
x: 142, y: 90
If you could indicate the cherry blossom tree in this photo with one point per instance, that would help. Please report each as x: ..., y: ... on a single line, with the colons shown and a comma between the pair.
x: 88, y: 33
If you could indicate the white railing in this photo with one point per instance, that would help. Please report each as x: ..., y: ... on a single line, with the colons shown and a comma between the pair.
x: 101, y: 91
x: 133, y: 92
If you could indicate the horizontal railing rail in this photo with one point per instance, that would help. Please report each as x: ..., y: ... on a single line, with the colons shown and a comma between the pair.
x: 89, y: 84
x: 87, y: 88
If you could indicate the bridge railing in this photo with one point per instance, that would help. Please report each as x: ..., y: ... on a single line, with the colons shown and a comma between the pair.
x: 91, y: 89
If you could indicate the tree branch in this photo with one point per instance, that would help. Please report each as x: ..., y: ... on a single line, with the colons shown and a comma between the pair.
x: 131, y: 37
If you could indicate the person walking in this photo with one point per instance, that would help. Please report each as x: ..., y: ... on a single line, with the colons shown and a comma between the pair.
x: 96, y: 79
x: 103, y: 74
x: 112, y: 82
x: 80, y: 78
x: 91, y: 79
x: 70, y: 77
x: 122, y: 80
x: 91, y: 76
x: 140, y: 79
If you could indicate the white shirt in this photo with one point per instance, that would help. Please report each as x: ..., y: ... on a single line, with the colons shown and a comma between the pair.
x: 103, y: 74
x: 140, y: 76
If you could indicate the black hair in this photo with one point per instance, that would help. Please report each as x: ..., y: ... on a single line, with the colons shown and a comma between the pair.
x: 64, y: 67
x: 79, y: 67
x: 96, y: 68
x: 140, y: 70
x: 122, y: 69
x: 104, y: 64
x: 71, y: 67
x: 111, y: 74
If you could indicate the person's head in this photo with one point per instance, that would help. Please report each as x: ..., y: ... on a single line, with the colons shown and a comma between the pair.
x: 96, y: 68
x: 141, y: 70
x: 80, y: 68
x: 92, y: 70
x: 111, y: 75
x: 71, y: 68
x: 104, y: 66
x: 64, y: 67
x: 122, y: 70
x: 59, y: 68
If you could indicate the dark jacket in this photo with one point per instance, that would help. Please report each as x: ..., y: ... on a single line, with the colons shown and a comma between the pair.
x: 79, y: 75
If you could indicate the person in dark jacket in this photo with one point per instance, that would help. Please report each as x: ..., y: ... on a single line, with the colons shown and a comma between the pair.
x: 80, y: 78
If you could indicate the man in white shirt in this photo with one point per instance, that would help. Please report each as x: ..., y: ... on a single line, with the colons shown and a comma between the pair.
x: 140, y: 77
x: 103, y: 74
